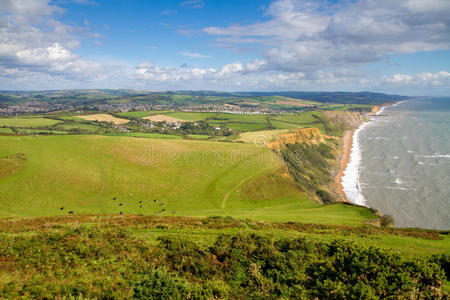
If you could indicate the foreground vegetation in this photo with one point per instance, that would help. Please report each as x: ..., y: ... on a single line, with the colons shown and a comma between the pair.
x: 122, y: 257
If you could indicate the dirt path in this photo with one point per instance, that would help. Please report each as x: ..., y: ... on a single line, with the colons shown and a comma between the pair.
x: 227, y: 195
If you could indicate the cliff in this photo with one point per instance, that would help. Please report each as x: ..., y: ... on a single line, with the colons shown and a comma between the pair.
x: 346, y: 120
x: 300, y: 135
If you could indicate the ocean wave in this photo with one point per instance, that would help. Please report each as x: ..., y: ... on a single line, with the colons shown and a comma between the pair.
x: 436, y: 156
x: 351, y: 184
x: 400, y: 188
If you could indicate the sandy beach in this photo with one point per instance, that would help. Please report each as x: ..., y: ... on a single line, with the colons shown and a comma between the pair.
x: 347, y: 150
x: 345, y: 157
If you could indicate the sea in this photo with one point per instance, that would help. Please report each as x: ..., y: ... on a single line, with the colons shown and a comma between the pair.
x: 400, y: 163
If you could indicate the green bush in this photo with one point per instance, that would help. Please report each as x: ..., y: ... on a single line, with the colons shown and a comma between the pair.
x: 443, y: 261
x: 110, y: 262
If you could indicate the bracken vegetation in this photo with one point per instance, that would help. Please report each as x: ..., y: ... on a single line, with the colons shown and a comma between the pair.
x: 108, y: 257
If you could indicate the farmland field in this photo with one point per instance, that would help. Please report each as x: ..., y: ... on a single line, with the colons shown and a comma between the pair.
x: 104, y: 118
x: 269, y: 135
x: 27, y: 122
x: 84, y: 173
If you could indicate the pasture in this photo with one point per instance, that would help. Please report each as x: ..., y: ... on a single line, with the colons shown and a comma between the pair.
x: 108, y: 175
x: 27, y: 122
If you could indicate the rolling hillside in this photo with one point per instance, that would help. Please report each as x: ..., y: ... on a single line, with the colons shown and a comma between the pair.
x: 52, y: 175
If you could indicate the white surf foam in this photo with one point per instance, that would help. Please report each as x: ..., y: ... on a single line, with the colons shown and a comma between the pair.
x: 351, y: 184
x: 350, y: 181
x: 436, y: 156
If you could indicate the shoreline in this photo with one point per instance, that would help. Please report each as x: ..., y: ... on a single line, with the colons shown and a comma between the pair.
x: 343, y: 162
x: 347, y: 148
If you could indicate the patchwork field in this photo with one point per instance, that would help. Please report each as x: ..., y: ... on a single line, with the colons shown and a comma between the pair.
x: 163, y: 118
x: 104, y: 118
x: 108, y: 175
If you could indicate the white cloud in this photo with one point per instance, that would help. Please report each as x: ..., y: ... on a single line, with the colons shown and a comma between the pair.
x: 313, y: 45
x: 194, y: 55
x: 193, y: 3
x: 33, y: 44
x: 307, y: 35
x: 436, y: 79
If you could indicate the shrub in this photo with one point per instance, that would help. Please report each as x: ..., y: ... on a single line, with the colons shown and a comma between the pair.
x: 387, y: 221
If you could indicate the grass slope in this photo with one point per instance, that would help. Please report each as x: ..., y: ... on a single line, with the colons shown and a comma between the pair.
x: 188, y: 177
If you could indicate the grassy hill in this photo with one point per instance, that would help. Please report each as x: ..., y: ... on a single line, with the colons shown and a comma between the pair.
x: 84, y: 174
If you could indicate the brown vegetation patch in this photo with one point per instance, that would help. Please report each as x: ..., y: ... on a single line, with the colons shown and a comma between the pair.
x: 163, y: 118
x: 104, y: 118
x: 11, y: 164
x: 15, y: 225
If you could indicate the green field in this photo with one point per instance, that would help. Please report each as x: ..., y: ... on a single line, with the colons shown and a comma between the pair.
x: 267, y: 135
x: 134, y: 114
x: 147, y: 135
x: 198, y: 178
x: 6, y: 130
x: 27, y: 122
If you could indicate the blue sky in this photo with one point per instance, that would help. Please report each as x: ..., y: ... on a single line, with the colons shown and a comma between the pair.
x: 400, y: 46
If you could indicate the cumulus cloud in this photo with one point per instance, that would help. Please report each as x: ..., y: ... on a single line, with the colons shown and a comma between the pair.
x: 33, y: 43
x: 306, y: 35
x: 305, y: 45
x: 436, y: 79
x: 235, y: 76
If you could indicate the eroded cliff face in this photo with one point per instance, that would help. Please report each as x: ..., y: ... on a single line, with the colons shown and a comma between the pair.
x: 314, y: 158
x: 346, y: 120
x: 311, y: 158
x: 300, y: 135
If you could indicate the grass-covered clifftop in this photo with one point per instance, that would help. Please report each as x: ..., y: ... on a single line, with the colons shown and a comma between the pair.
x: 125, y: 257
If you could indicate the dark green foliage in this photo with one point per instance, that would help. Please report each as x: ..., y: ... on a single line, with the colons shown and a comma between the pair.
x: 110, y: 261
x: 349, y: 271
x: 325, y: 196
x: 387, y: 221
x: 443, y: 261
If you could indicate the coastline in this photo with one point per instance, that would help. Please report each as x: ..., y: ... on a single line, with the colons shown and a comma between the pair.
x: 344, y: 160
x: 348, y: 150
